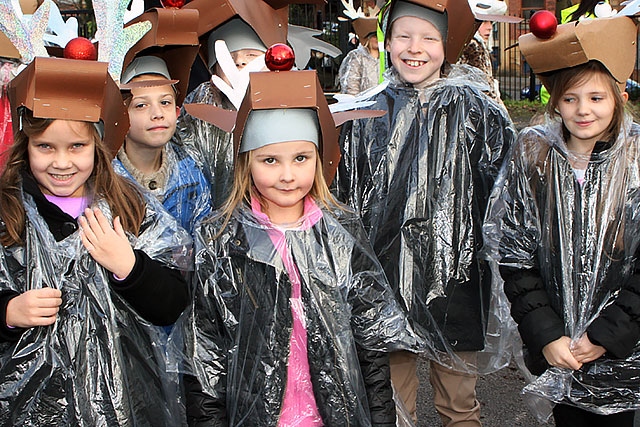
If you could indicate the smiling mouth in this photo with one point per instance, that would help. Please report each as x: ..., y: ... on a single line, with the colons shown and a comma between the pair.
x: 59, y: 177
x: 414, y: 62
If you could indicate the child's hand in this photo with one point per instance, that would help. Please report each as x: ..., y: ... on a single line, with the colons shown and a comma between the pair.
x: 558, y: 353
x: 585, y: 351
x: 108, y: 245
x: 37, y: 307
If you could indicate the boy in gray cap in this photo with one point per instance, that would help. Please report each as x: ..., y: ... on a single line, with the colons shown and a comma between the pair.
x: 420, y: 178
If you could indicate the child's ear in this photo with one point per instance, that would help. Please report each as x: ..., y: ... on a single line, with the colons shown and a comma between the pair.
x: 625, y: 97
x: 177, y: 111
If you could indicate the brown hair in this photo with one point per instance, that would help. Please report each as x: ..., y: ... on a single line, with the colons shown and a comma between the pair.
x: 243, y: 188
x: 560, y: 81
x: 122, y: 196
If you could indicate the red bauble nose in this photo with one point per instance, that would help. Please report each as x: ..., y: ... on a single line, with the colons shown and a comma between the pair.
x: 176, y: 4
x: 279, y: 57
x: 543, y: 24
x: 80, y: 48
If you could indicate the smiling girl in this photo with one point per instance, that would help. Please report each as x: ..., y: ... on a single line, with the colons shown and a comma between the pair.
x: 88, y: 265
x: 564, y: 227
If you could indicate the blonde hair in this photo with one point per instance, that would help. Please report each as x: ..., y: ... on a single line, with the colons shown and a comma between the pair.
x: 243, y: 189
x: 122, y: 196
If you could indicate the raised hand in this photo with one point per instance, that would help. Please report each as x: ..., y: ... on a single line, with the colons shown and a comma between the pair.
x: 108, y: 245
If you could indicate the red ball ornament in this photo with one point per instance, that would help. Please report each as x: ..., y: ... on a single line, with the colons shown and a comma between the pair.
x: 543, y: 24
x: 172, y: 4
x: 279, y: 57
x: 80, y: 48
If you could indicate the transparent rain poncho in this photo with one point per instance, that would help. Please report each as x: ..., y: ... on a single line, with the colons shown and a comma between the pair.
x: 236, y: 337
x: 580, y: 241
x: 420, y: 177
x: 99, y: 364
x: 209, y: 145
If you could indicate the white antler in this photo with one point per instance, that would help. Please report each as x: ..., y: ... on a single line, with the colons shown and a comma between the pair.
x: 60, y: 31
x: 350, y: 11
x: 238, y: 79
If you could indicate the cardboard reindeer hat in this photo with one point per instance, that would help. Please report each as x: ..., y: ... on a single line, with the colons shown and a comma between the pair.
x: 71, y: 89
x: 269, y: 19
x: 455, y: 15
x: 172, y: 38
x: 362, y: 23
x: 579, y: 42
x: 284, y: 90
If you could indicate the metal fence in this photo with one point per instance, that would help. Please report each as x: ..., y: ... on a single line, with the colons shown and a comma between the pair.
x: 515, y: 75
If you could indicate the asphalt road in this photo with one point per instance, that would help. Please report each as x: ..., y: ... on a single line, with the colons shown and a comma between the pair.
x: 499, y: 396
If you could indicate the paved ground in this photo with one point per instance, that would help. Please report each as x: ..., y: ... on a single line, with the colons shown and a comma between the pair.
x: 499, y: 396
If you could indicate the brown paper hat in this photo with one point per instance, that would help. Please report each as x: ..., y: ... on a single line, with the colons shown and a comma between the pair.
x: 173, y: 38
x: 270, y: 90
x: 365, y: 26
x: 269, y: 23
x: 7, y: 49
x: 71, y: 89
x: 610, y: 41
x: 461, y: 23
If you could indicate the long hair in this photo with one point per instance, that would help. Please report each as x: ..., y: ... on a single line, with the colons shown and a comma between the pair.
x: 560, y: 81
x: 122, y: 197
x: 243, y: 189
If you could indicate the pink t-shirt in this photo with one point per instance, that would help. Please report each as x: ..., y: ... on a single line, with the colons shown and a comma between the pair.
x: 299, y: 407
x: 73, y: 206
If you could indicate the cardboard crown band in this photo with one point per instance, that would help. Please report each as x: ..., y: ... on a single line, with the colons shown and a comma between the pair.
x: 577, y: 43
x: 71, y: 89
x: 174, y: 39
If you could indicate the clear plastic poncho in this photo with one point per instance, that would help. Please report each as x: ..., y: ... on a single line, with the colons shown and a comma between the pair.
x: 99, y: 364
x: 236, y: 336
x: 420, y: 177
x: 359, y: 71
x: 209, y: 145
x: 582, y: 241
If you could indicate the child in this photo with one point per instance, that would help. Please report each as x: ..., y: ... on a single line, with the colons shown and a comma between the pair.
x: 210, y: 143
x: 360, y: 68
x: 149, y: 154
x: 87, y: 264
x: 564, y: 226
x: 420, y: 178
x: 291, y: 310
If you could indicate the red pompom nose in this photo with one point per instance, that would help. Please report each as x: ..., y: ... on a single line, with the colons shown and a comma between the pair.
x: 279, y: 57
x: 172, y: 4
x: 543, y: 24
x: 80, y: 48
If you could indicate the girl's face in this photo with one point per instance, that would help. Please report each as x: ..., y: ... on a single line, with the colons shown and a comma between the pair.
x: 587, y: 110
x: 283, y: 174
x: 417, y: 50
x: 62, y: 158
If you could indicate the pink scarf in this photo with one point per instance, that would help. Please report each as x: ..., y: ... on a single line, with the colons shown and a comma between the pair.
x: 299, y: 407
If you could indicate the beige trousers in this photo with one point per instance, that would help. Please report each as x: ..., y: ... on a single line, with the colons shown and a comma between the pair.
x: 454, y: 394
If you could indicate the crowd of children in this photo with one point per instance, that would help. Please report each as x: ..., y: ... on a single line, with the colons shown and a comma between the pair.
x: 247, y: 254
